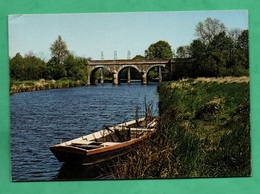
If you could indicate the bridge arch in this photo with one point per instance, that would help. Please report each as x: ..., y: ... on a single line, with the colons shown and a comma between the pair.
x: 147, y: 77
x: 156, y: 65
x: 126, y: 66
x: 92, y: 80
x: 132, y: 71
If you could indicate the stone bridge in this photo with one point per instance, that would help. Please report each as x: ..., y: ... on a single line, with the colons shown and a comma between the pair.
x: 116, y: 66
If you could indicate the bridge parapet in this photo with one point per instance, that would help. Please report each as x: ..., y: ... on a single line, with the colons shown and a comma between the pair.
x: 128, y: 62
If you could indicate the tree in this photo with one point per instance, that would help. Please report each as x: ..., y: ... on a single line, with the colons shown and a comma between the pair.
x: 16, y: 67
x: 59, y: 50
x: 234, y: 34
x: 59, y: 53
x: 55, y: 70
x: 242, y: 40
x: 208, y: 29
x: 243, y: 48
x: 138, y: 57
x: 222, y: 43
x: 183, y: 52
x: 29, y: 67
x: 216, y: 52
x: 35, y: 67
x: 198, y: 50
x: 76, y: 68
x: 159, y: 50
x: 218, y: 56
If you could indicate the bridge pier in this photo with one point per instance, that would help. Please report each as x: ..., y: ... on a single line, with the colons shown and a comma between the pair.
x: 88, y: 80
x: 160, y: 74
x: 101, y: 75
x: 115, y: 78
x: 144, y: 78
x: 129, y: 75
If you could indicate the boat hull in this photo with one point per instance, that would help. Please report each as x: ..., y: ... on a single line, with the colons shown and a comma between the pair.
x: 80, y: 152
x: 68, y: 155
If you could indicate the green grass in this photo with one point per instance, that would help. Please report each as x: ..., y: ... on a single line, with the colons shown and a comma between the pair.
x: 204, y: 132
x: 209, y: 126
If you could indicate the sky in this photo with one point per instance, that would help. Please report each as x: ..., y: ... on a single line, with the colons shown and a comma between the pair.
x: 87, y: 35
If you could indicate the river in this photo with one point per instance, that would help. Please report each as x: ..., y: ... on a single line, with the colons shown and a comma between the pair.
x: 43, y: 118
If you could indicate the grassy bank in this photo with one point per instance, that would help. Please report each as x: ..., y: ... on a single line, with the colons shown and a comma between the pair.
x: 29, y: 86
x: 204, y: 132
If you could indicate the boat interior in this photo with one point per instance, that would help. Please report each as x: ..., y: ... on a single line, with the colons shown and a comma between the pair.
x: 108, y: 139
x: 112, y: 135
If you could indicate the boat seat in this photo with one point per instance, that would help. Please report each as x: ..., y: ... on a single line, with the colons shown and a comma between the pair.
x: 81, y: 143
x: 86, y: 146
x: 110, y: 143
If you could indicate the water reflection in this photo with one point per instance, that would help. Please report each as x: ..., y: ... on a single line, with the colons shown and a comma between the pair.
x: 78, y: 172
x: 86, y: 172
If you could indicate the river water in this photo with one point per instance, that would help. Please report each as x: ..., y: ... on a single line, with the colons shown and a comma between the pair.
x: 44, y: 118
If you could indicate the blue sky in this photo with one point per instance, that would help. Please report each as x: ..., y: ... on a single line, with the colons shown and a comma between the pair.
x: 87, y: 35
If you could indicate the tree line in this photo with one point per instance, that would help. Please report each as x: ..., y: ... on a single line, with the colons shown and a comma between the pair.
x: 216, y: 52
x: 62, y: 65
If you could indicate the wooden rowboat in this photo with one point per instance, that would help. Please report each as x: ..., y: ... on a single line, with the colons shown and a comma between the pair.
x: 106, y: 144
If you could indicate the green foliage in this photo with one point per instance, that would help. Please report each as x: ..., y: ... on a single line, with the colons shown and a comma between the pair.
x: 243, y: 48
x: 221, y: 56
x: 54, y: 69
x: 217, y: 52
x: 138, y: 57
x: 159, y: 50
x: 207, y: 125
x: 207, y: 30
x: 55, y: 66
x: 153, y: 74
x: 62, y: 65
x: 76, y: 68
x: 184, y: 70
x: 26, y: 68
x: 242, y: 41
x: 59, y: 50
x: 183, y: 52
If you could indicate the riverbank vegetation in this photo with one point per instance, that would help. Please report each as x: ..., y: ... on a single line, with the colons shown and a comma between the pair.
x: 204, y: 132
x: 30, y: 73
x: 42, y: 84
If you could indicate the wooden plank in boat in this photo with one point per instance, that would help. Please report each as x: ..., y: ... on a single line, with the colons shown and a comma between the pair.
x: 141, y: 129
